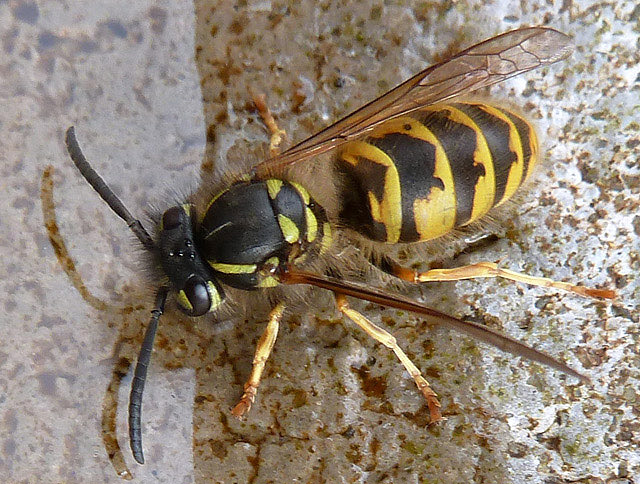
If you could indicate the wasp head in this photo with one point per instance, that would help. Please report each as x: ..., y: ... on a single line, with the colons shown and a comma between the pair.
x: 197, y: 290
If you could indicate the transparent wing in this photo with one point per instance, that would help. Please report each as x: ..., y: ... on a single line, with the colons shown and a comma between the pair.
x: 479, y: 66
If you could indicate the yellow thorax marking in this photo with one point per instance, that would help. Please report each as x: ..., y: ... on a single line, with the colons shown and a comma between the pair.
x: 289, y: 229
x: 273, y: 187
x: 233, y: 268
x: 269, y: 280
x: 302, y: 191
x: 327, y: 238
x: 312, y: 224
x: 213, y: 199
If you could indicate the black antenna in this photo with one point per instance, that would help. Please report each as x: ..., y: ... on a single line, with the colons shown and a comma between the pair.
x: 140, y: 376
x: 144, y: 357
x: 104, y: 191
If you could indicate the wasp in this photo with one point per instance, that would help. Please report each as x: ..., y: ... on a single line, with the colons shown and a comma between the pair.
x: 410, y: 166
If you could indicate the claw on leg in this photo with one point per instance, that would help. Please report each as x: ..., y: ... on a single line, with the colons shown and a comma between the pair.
x: 390, y: 342
x: 247, y: 399
x: 263, y: 350
x: 277, y: 134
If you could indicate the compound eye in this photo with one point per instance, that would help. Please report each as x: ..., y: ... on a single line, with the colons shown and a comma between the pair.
x: 172, y: 218
x: 194, y: 299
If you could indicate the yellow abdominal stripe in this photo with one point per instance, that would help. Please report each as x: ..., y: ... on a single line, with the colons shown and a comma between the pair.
x: 387, y: 211
x: 485, y: 188
x: 533, y: 144
x: 435, y: 214
x: 515, y: 145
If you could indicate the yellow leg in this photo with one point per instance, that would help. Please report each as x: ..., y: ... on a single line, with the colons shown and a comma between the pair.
x: 491, y: 269
x: 263, y: 350
x: 390, y: 342
x: 277, y: 134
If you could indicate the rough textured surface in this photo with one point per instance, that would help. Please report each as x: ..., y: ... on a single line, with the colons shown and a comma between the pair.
x: 142, y: 81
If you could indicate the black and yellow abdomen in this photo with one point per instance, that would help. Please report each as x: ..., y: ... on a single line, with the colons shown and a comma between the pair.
x: 419, y: 176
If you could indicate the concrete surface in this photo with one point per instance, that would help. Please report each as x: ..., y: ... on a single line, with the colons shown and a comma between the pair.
x: 146, y: 84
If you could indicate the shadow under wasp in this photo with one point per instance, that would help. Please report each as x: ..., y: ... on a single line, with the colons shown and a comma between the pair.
x: 412, y: 166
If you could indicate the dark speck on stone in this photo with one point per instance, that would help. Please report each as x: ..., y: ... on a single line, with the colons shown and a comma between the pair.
x: 117, y: 28
x: 47, y: 40
x: 88, y: 46
x: 26, y: 12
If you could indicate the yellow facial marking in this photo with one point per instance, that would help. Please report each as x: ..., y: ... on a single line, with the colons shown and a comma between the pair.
x: 214, y: 295
x: 183, y: 300
x: 289, y: 229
